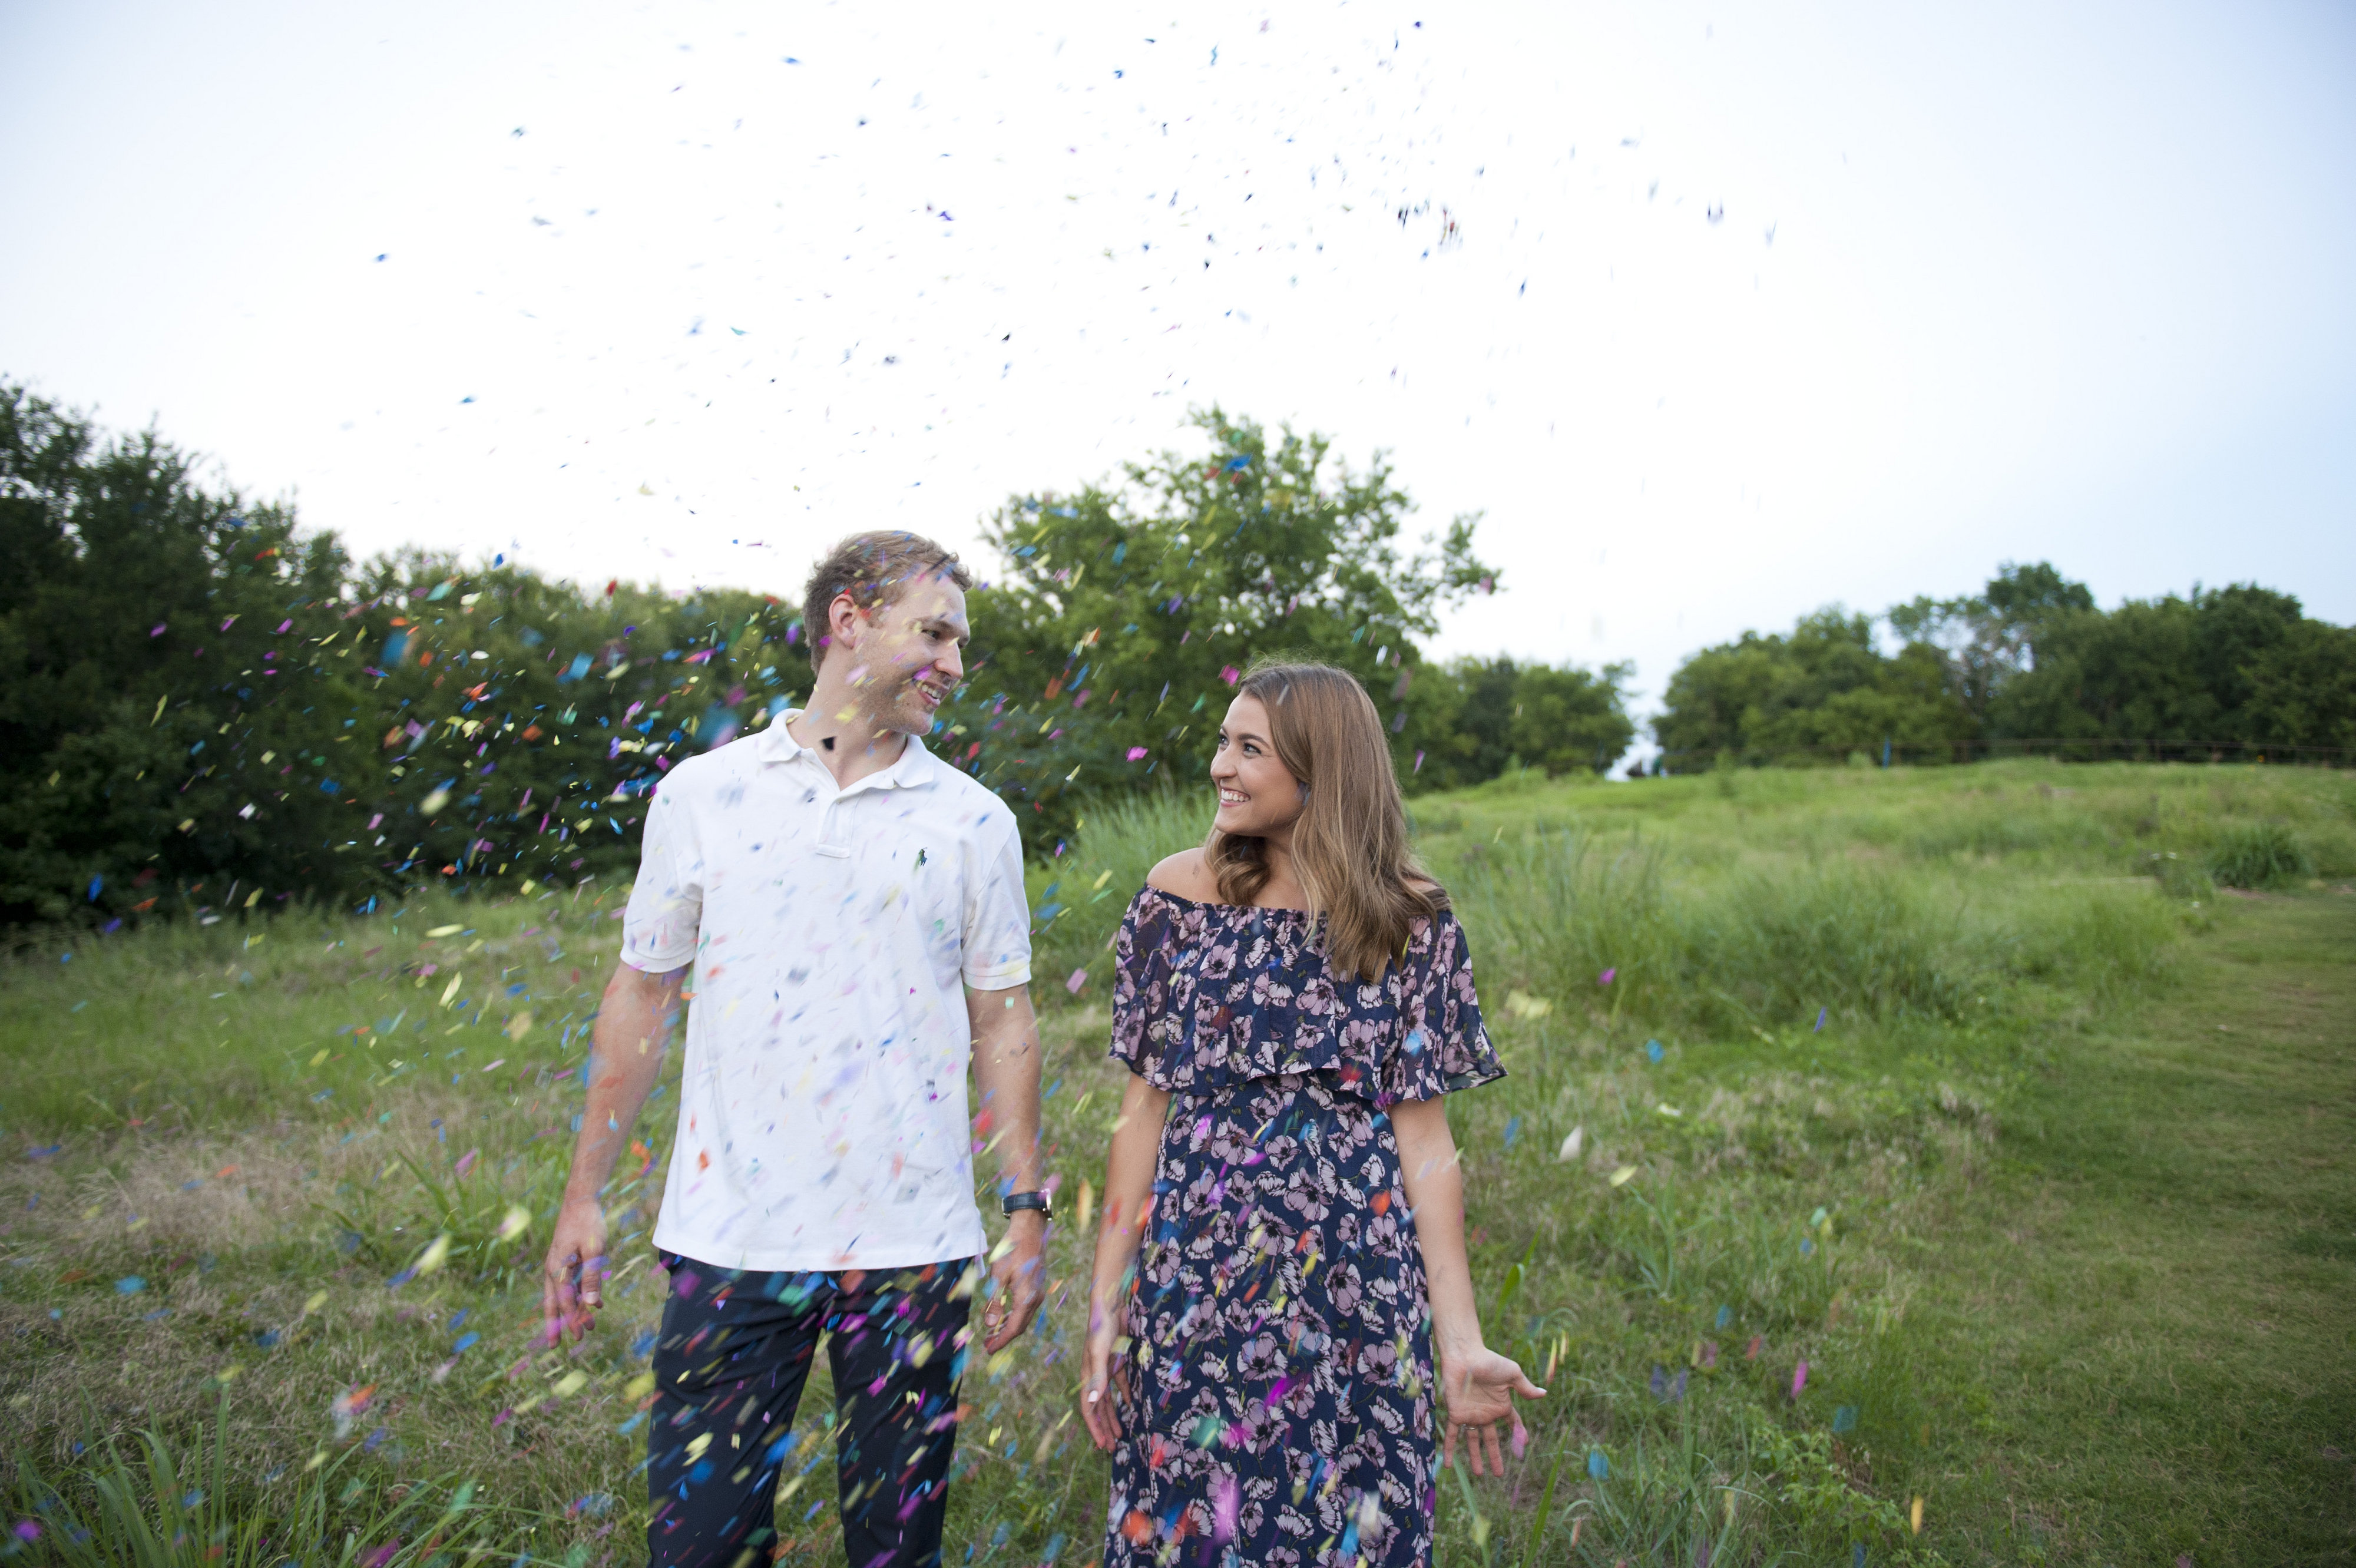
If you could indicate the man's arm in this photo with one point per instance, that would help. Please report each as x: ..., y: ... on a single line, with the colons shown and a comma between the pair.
x: 625, y: 1060
x: 1006, y: 1071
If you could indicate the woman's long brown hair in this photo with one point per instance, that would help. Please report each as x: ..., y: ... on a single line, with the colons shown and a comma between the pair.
x: 1349, y: 845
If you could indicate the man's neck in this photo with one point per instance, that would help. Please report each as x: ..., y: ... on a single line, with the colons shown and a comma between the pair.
x: 851, y: 744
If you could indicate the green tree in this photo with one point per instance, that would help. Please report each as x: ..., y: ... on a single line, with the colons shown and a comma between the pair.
x: 1568, y: 720
x: 1821, y: 693
x: 1105, y: 655
x: 167, y: 728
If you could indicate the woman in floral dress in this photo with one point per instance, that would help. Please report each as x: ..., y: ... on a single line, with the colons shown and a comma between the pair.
x: 1292, y: 999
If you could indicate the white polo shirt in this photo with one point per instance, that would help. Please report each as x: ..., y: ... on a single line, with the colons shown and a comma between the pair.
x: 823, y: 1119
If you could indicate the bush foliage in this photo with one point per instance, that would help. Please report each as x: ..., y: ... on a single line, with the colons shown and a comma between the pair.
x: 2028, y: 661
x: 205, y: 709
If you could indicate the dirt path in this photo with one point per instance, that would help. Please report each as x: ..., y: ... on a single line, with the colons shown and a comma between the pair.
x: 2138, y: 1341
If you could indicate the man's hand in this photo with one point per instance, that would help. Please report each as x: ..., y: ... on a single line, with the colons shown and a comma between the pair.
x: 1479, y: 1386
x: 1019, y: 1273
x: 574, y: 1284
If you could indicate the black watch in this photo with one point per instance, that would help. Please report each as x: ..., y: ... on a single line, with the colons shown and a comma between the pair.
x: 1014, y: 1202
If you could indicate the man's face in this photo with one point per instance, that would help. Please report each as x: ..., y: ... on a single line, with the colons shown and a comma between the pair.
x: 907, y: 655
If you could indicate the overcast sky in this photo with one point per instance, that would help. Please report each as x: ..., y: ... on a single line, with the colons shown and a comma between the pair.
x: 1719, y: 313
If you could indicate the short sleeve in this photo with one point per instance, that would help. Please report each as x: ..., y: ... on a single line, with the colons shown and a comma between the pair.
x: 1443, y: 1044
x: 1140, y: 984
x: 666, y: 908
x: 997, y: 935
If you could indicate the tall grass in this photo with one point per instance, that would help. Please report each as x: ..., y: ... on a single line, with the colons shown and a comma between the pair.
x: 2260, y: 854
x: 179, y: 1504
x: 1603, y: 927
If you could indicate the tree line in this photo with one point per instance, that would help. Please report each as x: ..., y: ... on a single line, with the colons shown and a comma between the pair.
x: 2027, y: 663
x: 207, y: 710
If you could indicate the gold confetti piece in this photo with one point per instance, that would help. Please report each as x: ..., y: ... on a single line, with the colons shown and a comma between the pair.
x: 697, y: 1445
x: 1522, y: 1004
x: 445, y: 931
x: 517, y: 1222
x: 451, y: 990
x: 640, y: 1387
x: 434, y: 800
x: 1665, y: 1109
x: 317, y: 1459
x: 318, y: 1300
x: 1085, y: 1206
x: 1915, y: 1515
x: 226, y: 1373
x: 320, y: 1057
x: 1620, y: 1177
x: 518, y: 1026
x: 571, y: 1383
x: 437, y: 1251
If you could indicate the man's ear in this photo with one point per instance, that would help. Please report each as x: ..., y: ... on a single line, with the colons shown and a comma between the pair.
x: 844, y: 622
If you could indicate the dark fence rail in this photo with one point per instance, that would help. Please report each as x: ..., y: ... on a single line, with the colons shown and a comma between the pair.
x: 2058, y: 749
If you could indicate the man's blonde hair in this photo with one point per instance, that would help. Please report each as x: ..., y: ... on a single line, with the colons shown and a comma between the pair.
x: 874, y: 569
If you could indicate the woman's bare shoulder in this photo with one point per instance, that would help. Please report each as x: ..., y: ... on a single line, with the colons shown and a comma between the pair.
x: 1185, y: 874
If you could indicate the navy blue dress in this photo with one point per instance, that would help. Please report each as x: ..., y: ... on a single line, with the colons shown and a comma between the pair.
x: 1279, y: 1359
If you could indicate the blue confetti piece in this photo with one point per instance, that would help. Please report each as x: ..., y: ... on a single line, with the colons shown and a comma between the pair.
x: 96, y: 883
x: 1598, y: 1467
x: 1725, y: 1316
x: 1820, y: 1020
x: 1660, y: 1383
x: 465, y: 1342
x: 1653, y: 1050
x: 1857, y: 1556
x: 130, y: 1285
x: 1513, y: 1131
x: 1845, y: 1419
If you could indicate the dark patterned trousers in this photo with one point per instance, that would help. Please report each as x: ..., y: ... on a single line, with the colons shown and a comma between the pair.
x: 735, y: 1351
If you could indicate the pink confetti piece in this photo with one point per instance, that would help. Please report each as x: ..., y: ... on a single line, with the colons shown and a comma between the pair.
x: 1799, y: 1379
x: 1606, y: 977
x: 1079, y: 978
x: 1136, y: 754
x: 1226, y: 1503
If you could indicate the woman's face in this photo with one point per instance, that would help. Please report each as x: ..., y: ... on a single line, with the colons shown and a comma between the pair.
x: 1258, y: 795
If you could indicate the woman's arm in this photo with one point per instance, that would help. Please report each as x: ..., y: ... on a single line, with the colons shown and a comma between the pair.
x: 1127, y: 1203
x: 1478, y: 1383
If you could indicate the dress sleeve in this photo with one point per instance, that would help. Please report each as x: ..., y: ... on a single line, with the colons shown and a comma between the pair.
x: 1443, y: 1044
x: 1140, y: 984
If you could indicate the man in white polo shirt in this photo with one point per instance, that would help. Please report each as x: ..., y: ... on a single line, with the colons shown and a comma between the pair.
x: 853, y: 909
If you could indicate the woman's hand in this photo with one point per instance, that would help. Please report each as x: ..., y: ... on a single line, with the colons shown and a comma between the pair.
x: 1479, y: 1386
x: 1103, y: 1378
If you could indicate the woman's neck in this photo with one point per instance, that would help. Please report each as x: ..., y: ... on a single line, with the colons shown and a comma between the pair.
x: 1281, y: 889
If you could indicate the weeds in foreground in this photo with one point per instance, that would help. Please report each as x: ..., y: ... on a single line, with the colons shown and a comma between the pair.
x: 178, y: 1505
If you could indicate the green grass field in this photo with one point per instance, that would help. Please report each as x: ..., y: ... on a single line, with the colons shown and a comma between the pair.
x: 1968, y: 1087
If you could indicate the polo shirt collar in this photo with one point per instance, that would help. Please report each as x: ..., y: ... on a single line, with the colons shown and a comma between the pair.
x: 915, y: 767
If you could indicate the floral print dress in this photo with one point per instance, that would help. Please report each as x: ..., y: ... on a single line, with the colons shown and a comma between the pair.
x: 1279, y: 1407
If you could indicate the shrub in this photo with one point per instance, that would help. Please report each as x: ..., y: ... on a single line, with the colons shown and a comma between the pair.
x: 2259, y: 855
